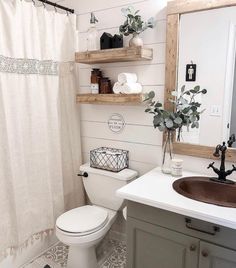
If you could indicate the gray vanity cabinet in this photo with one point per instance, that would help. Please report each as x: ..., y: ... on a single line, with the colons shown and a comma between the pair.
x: 212, y: 256
x: 157, y: 247
x: 162, y: 239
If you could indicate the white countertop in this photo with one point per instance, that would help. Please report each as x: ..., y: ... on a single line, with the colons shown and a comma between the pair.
x: 155, y: 189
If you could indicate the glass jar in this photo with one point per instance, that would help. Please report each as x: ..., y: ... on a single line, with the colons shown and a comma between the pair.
x: 92, y: 34
x: 105, y: 86
x: 167, y: 152
x: 96, y: 76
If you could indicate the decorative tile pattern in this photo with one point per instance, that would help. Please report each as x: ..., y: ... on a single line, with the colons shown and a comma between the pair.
x: 42, y: 262
x: 58, y: 254
x: 28, y: 66
x: 117, y: 257
x: 110, y: 253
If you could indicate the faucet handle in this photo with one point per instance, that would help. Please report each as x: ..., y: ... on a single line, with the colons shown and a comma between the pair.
x: 211, y: 165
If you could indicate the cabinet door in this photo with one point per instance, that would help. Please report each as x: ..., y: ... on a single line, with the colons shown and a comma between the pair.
x: 151, y: 246
x: 212, y: 256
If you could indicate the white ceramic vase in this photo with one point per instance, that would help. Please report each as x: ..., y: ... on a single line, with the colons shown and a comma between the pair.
x: 136, y: 41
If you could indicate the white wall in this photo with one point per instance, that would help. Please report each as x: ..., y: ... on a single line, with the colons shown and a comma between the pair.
x: 139, y: 137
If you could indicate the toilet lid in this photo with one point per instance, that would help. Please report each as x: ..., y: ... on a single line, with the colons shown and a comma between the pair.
x: 86, y: 219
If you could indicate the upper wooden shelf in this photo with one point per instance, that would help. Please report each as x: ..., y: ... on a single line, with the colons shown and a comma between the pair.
x: 116, y: 99
x: 114, y: 55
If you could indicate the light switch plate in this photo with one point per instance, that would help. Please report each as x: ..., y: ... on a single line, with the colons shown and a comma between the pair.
x: 215, y: 110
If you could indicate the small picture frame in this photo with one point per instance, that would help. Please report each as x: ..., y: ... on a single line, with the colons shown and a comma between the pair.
x: 191, y: 71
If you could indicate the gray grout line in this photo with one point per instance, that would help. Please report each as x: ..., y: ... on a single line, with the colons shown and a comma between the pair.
x: 127, y: 124
x: 103, y: 9
x: 105, y: 139
x: 157, y: 85
x: 122, y: 66
x: 115, y: 27
x: 102, y: 29
x: 147, y: 44
x: 124, y: 141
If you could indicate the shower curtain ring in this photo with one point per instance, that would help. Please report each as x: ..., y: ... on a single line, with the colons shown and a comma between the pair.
x: 33, y: 2
x: 55, y: 7
x: 44, y: 4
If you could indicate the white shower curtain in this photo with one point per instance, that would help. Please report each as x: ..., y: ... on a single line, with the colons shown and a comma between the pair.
x: 39, y: 128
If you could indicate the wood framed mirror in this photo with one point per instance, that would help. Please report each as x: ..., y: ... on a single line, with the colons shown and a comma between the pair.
x: 176, y: 11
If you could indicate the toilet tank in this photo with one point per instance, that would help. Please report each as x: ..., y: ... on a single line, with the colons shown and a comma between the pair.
x: 101, y: 185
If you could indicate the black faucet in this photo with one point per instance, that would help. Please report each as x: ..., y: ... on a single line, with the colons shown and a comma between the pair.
x: 222, y: 174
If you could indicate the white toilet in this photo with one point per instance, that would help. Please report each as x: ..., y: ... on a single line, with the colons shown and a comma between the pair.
x: 84, y: 227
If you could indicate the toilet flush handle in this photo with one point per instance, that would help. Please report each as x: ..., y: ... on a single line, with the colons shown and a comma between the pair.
x: 85, y: 175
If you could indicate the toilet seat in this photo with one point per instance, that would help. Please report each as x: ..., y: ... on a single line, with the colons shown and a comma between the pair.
x: 83, y: 220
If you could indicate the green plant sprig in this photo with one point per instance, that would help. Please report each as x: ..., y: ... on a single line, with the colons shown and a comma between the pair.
x: 186, y: 110
x: 134, y: 23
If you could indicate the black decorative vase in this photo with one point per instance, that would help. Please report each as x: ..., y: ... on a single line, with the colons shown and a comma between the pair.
x: 106, y: 41
x: 117, y: 41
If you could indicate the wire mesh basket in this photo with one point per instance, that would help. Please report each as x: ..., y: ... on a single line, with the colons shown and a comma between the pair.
x: 110, y: 159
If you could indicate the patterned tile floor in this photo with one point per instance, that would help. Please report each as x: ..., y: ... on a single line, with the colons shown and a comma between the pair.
x: 110, y: 253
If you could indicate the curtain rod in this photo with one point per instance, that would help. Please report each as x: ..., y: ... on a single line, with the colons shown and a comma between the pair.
x: 57, y: 6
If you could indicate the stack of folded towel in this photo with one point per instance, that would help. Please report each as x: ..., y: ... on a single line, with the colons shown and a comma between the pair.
x: 127, y: 84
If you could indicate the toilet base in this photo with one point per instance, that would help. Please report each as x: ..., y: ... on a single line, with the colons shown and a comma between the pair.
x: 80, y: 257
x: 82, y: 252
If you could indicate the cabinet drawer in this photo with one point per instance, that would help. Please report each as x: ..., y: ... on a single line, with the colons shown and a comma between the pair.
x: 203, y: 230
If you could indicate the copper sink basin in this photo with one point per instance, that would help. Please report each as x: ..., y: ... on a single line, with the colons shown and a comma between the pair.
x: 205, y: 190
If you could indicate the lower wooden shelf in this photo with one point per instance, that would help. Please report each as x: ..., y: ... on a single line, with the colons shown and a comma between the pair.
x: 116, y: 99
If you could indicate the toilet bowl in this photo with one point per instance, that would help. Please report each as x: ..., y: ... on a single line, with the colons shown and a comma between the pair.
x: 72, y: 230
x: 84, y: 227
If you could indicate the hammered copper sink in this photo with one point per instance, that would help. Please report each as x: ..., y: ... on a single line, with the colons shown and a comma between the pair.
x: 205, y: 190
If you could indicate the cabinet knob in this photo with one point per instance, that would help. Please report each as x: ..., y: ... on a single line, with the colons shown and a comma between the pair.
x: 193, y: 247
x: 205, y: 254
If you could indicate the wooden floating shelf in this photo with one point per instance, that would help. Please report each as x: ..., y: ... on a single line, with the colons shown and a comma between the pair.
x: 114, y: 55
x: 116, y: 99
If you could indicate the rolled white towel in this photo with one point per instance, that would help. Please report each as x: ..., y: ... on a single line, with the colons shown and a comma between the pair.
x: 127, y: 78
x: 127, y: 88
x: 117, y: 88
x: 131, y: 88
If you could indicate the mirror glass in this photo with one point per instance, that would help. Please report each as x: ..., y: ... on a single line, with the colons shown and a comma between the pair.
x: 207, y: 55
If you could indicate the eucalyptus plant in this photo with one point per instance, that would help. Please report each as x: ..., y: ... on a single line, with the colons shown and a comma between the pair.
x: 134, y: 23
x: 186, y: 110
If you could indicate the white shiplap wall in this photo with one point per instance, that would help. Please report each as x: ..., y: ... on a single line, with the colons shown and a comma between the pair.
x: 139, y: 137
